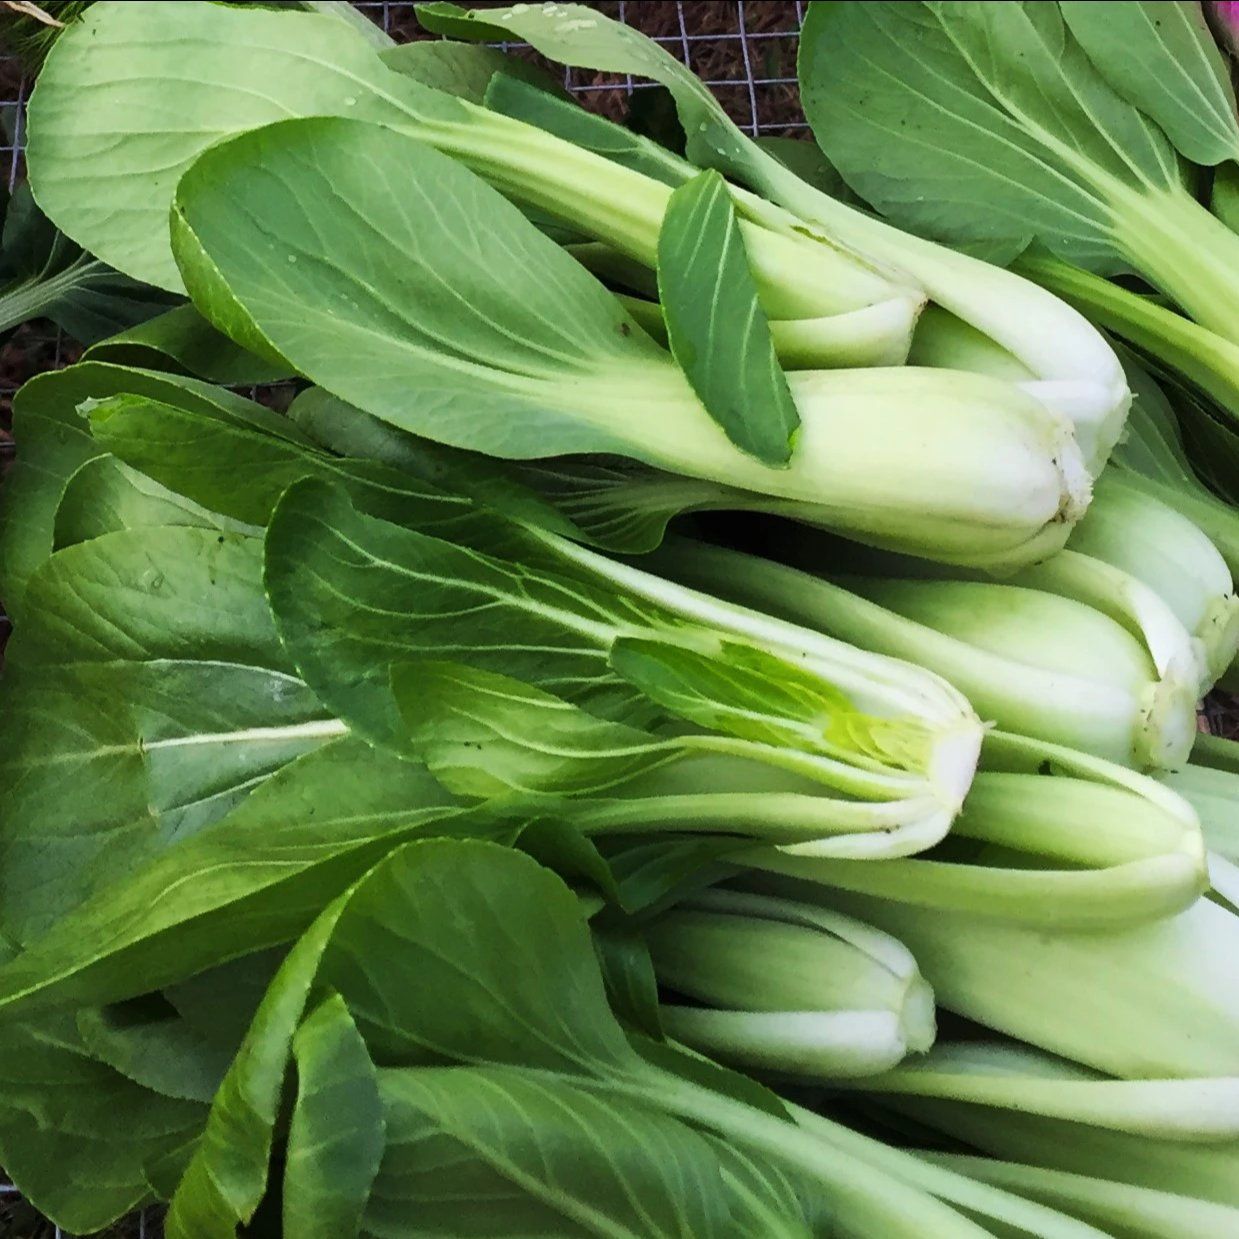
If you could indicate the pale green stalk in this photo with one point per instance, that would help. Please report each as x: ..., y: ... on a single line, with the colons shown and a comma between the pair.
x: 1037, y: 663
x: 1158, y: 1000
x: 1138, y: 1212
x: 788, y: 987
x: 1012, y: 1214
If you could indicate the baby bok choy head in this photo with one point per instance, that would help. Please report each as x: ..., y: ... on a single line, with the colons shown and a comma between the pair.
x: 477, y: 331
x: 540, y: 678
x: 787, y: 987
x: 473, y: 328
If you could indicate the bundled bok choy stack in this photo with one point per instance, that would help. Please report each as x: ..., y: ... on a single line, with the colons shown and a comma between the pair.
x: 404, y: 829
x: 893, y: 455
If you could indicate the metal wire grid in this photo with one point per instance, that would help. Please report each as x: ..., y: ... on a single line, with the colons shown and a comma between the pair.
x: 757, y: 88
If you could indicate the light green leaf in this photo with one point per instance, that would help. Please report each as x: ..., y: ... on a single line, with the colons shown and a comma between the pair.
x: 336, y: 1134
x: 716, y: 328
x: 466, y: 70
x: 94, y: 83
x: 937, y: 107
x: 575, y: 34
x: 1162, y: 58
x: 478, y: 301
x: 743, y: 691
x: 481, y: 1151
x: 486, y: 735
x: 182, y: 341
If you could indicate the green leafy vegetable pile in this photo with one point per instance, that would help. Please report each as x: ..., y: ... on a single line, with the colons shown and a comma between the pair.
x: 406, y: 831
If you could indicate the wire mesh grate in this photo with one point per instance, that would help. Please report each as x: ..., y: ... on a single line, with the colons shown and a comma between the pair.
x: 745, y: 52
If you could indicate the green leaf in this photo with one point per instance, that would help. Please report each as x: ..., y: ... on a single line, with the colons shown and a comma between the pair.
x: 936, y: 108
x: 1163, y: 60
x: 628, y: 973
x: 766, y: 1201
x: 353, y: 596
x: 106, y: 496
x: 655, y: 873
x: 346, y: 430
x: 336, y: 1134
x: 486, y: 1151
x: 148, y: 1042
x: 75, y: 1135
x: 566, y: 119
x: 150, y: 699
x: 564, y: 850
x: 95, y: 81
x: 44, y: 275
x: 808, y: 161
x: 219, y: 1003
x: 577, y: 35
x: 182, y: 341
x: 490, y: 736
x: 716, y: 328
x: 495, y: 307
x: 240, y: 469
x: 258, y: 877
x: 227, y: 1177
x: 406, y: 916
x: 466, y: 70
x: 55, y: 443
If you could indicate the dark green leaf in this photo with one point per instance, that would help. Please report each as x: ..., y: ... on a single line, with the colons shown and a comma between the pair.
x: 487, y: 1151
x: 219, y: 1003
x: 628, y: 973
x: 488, y: 736
x: 53, y: 443
x: 353, y: 596
x: 336, y: 1133
x: 227, y: 1177
x: 150, y: 698
x: 106, y: 496
x: 182, y: 341
x: 652, y: 113
x: 717, y: 331
x: 259, y: 877
x: 148, y: 1042
x: 75, y: 1135
x: 564, y: 850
